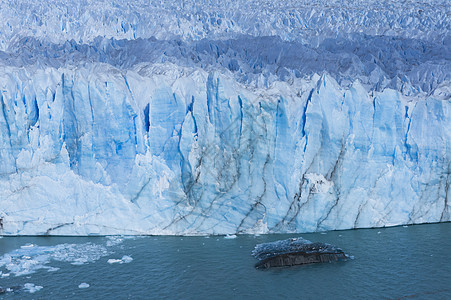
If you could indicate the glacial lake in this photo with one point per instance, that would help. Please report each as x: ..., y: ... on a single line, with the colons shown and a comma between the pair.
x: 411, y: 262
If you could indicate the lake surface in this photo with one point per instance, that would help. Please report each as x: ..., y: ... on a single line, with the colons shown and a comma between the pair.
x: 393, y: 263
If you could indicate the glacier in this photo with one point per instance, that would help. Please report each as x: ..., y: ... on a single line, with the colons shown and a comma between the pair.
x: 223, y: 117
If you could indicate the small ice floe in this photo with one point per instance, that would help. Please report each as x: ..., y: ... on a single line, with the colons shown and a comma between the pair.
x: 83, y: 285
x: 114, y: 241
x: 79, y: 261
x: 32, y: 288
x: 323, y: 232
x: 127, y: 259
x: 29, y: 258
x: 378, y: 232
x: 405, y: 226
x: 124, y: 260
x: 230, y: 236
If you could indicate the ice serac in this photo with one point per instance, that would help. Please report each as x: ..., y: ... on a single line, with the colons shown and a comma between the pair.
x: 221, y: 128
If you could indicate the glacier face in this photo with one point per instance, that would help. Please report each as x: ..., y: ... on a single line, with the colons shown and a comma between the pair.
x: 208, y: 119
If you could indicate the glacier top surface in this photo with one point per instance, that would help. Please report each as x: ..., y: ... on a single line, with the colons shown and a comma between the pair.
x: 402, y: 45
x: 303, y: 20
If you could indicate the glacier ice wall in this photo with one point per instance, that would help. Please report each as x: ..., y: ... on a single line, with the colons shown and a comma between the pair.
x: 190, y: 118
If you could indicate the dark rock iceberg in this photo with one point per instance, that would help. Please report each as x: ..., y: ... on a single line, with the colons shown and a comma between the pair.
x: 295, y: 251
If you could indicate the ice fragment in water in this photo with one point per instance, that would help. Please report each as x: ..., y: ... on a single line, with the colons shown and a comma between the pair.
x: 30, y: 258
x: 124, y: 260
x: 295, y: 251
x: 32, y: 288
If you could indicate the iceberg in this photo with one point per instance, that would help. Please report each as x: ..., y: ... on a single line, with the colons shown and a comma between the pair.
x: 195, y: 118
x: 295, y: 251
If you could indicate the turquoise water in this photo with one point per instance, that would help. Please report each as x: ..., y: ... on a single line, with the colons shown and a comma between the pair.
x: 393, y: 263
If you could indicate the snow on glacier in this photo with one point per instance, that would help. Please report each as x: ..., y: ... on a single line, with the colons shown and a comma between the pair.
x: 218, y: 121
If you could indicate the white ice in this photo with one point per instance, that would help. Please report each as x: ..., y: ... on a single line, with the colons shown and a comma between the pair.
x: 32, y: 288
x: 124, y: 260
x: 83, y: 285
x: 30, y: 258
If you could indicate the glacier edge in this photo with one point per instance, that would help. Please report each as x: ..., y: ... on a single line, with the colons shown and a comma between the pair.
x: 193, y: 152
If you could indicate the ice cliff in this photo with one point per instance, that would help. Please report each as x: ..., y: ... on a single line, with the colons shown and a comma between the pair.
x: 223, y: 117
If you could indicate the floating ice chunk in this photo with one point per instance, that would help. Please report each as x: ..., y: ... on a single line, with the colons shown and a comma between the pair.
x: 114, y: 240
x: 295, y: 251
x: 30, y: 258
x: 113, y: 261
x: 265, y: 250
x: 127, y: 259
x: 32, y: 288
x: 230, y: 236
x: 83, y: 285
x: 124, y: 260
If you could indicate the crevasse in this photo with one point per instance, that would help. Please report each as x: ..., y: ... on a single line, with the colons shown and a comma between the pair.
x: 198, y: 154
